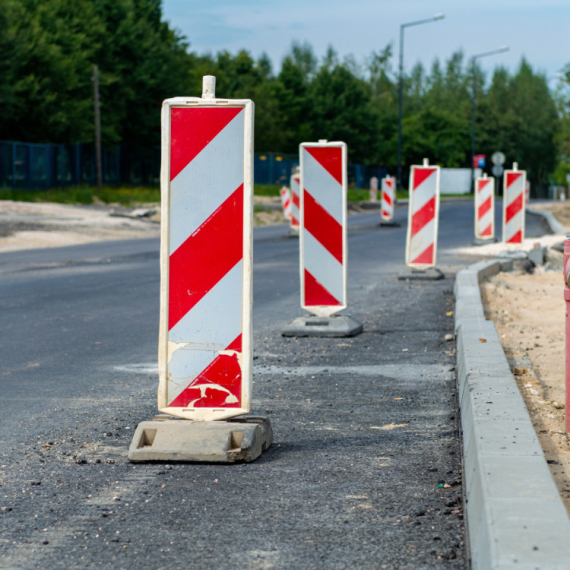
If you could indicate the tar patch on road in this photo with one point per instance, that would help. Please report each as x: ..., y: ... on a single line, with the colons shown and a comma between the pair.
x: 364, y: 471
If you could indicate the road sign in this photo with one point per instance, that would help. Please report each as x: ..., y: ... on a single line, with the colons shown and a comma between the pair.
x: 323, y: 227
x: 485, y: 208
x: 205, y: 355
x: 514, y: 184
x: 388, y: 198
x: 479, y: 161
x: 497, y: 170
x: 423, y: 215
x: 498, y: 158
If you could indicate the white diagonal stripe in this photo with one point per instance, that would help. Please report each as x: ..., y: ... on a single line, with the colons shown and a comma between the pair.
x: 424, y: 192
x: 514, y: 190
x: 422, y: 240
x: 484, y: 222
x: 323, y: 266
x: 296, y: 190
x: 219, y: 168
x: 514, y: 225
x: 322, y: 186
x: 217, y: 318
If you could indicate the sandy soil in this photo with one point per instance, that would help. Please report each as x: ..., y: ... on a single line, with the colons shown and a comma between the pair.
x: 560, y: 209
x: 529, y: 313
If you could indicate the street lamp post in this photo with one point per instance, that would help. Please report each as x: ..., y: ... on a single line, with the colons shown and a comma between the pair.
x: 400, y: 87
x: 474, y: 103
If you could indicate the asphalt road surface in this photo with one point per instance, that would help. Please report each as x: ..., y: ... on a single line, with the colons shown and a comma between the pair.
x: 365, y: 469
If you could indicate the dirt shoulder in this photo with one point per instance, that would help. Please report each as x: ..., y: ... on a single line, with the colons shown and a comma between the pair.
x: 529, y: 313
x: 560, y: 209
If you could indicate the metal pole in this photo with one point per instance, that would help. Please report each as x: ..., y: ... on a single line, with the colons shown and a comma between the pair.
x: 400, y: 96
x: 97, y: 128
x: 473, y: 105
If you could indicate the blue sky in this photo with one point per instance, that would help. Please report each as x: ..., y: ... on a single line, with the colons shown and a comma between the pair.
x: 537, y: 29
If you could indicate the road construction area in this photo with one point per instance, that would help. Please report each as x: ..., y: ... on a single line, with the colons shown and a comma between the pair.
x: 365, y: 468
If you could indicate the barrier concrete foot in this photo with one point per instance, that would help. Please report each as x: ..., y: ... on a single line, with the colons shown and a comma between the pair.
x: 480, y: 241
x: 175, y: 440
x: 334, y: 326
x: 389, y: 224
x: 292, y: 233
x: 431, y: 274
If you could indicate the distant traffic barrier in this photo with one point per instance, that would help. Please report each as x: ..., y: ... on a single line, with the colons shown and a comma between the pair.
x: 567, y: 301
x: 323, y: 241
x: 374, y: 189
x: 514, y: 205
x: 388, y: 199
x: 286, y: 202
x: 485, y: 208
x: 295, y: 200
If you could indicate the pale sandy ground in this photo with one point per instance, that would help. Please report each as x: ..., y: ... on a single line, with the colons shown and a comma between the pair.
x: 30, y: 225
x: 529, y: 313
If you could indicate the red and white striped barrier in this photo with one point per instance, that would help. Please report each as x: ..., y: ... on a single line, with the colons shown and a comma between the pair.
x: 323, y: 227
x: 295, y: 200
x: 485, y: 207
x: 514, y: 205
x: 205, y: 354
x: 388, y: 198
x: 423, y: 216
x: 286, y: 202
x: 527, y: 192
x: 374, y: 189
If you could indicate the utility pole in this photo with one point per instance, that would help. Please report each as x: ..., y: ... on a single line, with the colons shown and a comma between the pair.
x: 97, y: 128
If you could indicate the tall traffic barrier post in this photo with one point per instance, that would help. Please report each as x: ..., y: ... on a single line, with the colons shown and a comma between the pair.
x: 295, y: 203
x: 388, y: 202
x: 423, y: 222
x: 514, y: 184
x: 205, y: 336
x: 374, y: 189
x: 484, y: 210
x: 567, y: 301
x: 527, y: 192
x: 286, y: 202
x: 322, y: 244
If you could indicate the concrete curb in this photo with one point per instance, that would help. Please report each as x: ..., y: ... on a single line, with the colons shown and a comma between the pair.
x: 555, y: 226
x: 515, y: 516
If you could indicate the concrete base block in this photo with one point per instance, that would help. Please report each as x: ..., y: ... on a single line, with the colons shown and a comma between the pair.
x: 481, y: 241
x: 389, y: 224
x: 335, y: 326
x: 431, y: 274
x: 177, y: 440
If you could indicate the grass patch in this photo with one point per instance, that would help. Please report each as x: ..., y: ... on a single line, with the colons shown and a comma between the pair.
x: 124, y: 195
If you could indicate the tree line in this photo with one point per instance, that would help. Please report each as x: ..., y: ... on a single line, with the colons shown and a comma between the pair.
x: 48, y: 48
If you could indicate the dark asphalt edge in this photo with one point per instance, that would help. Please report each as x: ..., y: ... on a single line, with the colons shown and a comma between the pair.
x: 514, y: 513
x: 555, y: 226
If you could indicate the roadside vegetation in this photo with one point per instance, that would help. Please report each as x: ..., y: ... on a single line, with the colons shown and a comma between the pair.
x: 50, y: 46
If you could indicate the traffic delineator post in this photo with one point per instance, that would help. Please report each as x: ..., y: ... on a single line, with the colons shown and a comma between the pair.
x: 388, y: 202
x: 295, y: 199
x: 323, y: 247
x: 514, y: 183
x: 205, y: 337
x: 566, y: 269
x: 373, y: 189
x: 286, y: 202
x: 423, y: 221
x: 527, y: 192
x: 484, y: 209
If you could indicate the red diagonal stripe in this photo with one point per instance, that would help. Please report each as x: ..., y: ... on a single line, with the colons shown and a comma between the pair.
x: 316, y: 294
x: 294, y: 221
x: 420, y: 174
x: 209, y: 387
x: 483, y: 182
x: 205, y: 257
x: 514, y: 207
x: 512, y: 177
x: 484, y: 207
x: 330, y: 158
x: 385, y: 214
x: 295, y: 199
x: 426, y: 257
x: 423, y: 216
x: 324, y: 228
x: 191, y: 129
x: 516, y: 238
x: 387, y: 199
x: 487, y: 230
